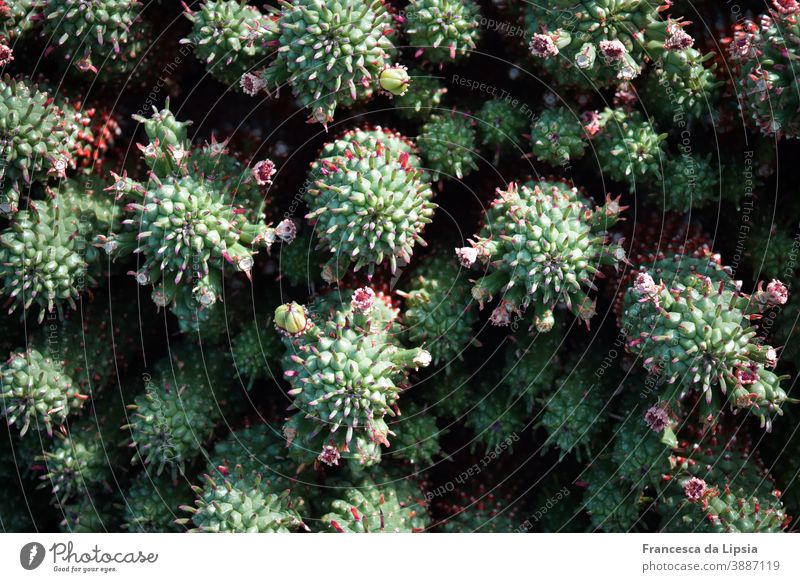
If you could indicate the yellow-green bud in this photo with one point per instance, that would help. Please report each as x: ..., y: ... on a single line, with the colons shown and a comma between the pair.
x: 291, y: 318
x: 395, y: 80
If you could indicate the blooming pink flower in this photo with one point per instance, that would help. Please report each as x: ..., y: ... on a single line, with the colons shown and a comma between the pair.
x: 542, y: 46
x: 695, y: 489
x: 263, y: 172
x: 363, y: 299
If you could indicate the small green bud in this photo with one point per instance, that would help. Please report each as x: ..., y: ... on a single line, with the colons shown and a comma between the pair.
x: 291, y: 319
x: 395, y: 80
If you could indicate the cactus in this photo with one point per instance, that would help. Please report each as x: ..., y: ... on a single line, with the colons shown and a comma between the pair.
x: 346, y: 373
x: 331, y: 54
x: 90, y: 33
x: 37, y: 140
x: 437, y: 314
x: 176, y: 413
x: 373, y: 507
x: 423, y: 97
x: 761, y: 54
x: 707, y: 318
x: 690, y: 181
x: 442, y: 30
x: 448, y: 145
x: 37, y: 391
x: 558, y: 136
x: 500, y: 125
x: 628, y: 147
x: 573, y: 414
x: 601, y: 41
x: 185, y: 222
x: 152, y: 503
x: 542, y: 244
x: 16, y: 18
x: 368, y: 203
x: 241, y: 503
x: 230, y: 38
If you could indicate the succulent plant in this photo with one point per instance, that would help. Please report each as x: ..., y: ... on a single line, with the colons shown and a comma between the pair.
x: 372, y: 507
x: 448, y: 145
x: 628, y: 148
x: 369, y: 203
x: 762, y: 53
x: 500, y: 125
x: 346, y: 373
x: 541, y: 244
x: 558, y: 136
x: 697, y: 310
x: 37, y: 391
x: 601, y: 41
x: 423, y: 97
x: 442, y: 30
x: 230, y: 38
x: 690, y: 181
x: 94, y: 34
x: 185, y: 222
x: 172, y: 419
x: 241, y: 503
x: 37, y: 140
x: 330, y: 54
x: 438, y: 313
x: 152, y: 503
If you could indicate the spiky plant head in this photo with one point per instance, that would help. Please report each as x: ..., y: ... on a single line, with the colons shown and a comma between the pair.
x: 81, y: 460
x: 447, y: 142
x: 370, y: 506
x: 331, y: 54
x: 567, y: 42
x: 496, y: 419
x: 418, y: 435
x: 368, y: 205
x: 16, y: 17
x: 762, y: 53
x: 690, y: 181
x: 558, y: 136
x: 152, y: 503
x: 542, y: 244
x: 613, y: 508
x: 37, y: 392
x: 574, y: 412
x: 172, y: 419
x: 196, y: 216
x: 716, y: 482
x: 91, y: 32
x: 438, y: 311
x: 442, y: 30
x: 693, y: 331
x: 43, y: 258
x: 37, y: 139
x: 242, y: 503
x: 300, y: 263
x: 500, y: 125
x: 88, y: 513
x: 256, y: 353
x: 628, y: 147
x: 231, y: 38
x: 346, y: 373
x: 422, y: 98
x: 259, y: 448
x: 683, y: 83
x: 532, y: 364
